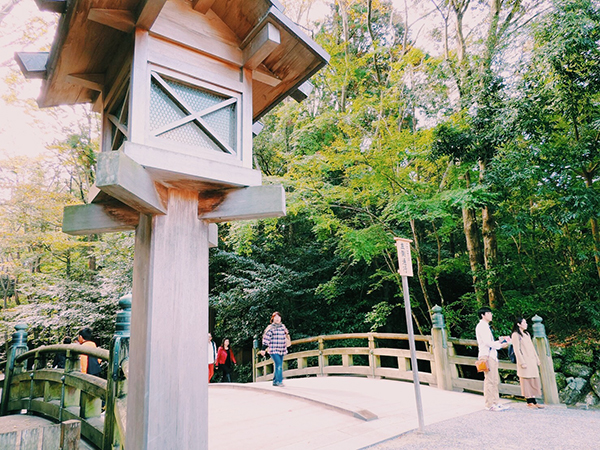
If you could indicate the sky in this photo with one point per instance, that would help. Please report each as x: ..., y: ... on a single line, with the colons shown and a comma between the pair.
x: 28, y: 131
x: 19, y: 132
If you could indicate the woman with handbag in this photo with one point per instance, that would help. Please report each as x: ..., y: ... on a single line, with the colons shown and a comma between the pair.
x: 225, y: 361
x: 276, y: 340
x: 527, y: 363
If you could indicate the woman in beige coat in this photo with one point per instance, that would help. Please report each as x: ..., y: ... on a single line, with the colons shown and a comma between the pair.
x: 527, y: 363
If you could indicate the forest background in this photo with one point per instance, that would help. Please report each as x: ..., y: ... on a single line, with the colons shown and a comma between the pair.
x: 469, y: 126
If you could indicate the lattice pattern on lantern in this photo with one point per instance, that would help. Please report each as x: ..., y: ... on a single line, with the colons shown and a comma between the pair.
x: 195, y: 98
x: 119, y: 115
x: 184, y: 101
x: 223, y: 123
x: 163, y: 110
x: 192, y: 135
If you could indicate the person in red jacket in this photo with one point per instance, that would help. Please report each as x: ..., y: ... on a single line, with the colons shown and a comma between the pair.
x: 225, y: 361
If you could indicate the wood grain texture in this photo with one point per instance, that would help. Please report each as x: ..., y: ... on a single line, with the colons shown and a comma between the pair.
x: 178, y: 169
x: 119, y: 19
x: 167, y: 405
x: 122, y: 178
x: 99, y: 218
x: 257, y: 202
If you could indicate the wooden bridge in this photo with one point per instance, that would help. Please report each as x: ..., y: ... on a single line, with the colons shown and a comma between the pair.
x: 98, y: 405
x: 446, y: 363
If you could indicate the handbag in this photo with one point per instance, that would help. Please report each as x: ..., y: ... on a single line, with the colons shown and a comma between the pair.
x: 288, y: 340
x: 482, y: 365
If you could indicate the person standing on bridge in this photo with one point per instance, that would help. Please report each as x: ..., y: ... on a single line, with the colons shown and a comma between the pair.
x: 488, y: 349
x: 212, y: 356
x: 276, y: 340
x: 225, y: 361
x: 527, y: 363
x: 89, y: 365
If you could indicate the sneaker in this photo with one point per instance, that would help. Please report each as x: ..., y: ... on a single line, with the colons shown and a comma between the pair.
x: 498, y: 407
x: 532, y: 406
x: 539, y: 406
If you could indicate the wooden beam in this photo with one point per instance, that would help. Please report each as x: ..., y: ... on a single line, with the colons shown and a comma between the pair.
x: 119, y: 19
x: 32, y: 64
x: 260, y: 46
x: 202, y: 5
x: 122, y: 178
x: 93, y: 81
x: 213, y: 235
x: 257, y: 202
x: 302, y: 92
x: 99, y: 218
x: 265, y: 76
x: 57, y: 6
x: 172, y: 168
x: 147, y: 12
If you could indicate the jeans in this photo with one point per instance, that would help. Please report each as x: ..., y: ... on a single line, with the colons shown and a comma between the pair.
x: 278, y: 373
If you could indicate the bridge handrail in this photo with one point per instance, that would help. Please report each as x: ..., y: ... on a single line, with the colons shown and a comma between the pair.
x: 78, y: 349
x: 341, y: 336
x: 64, y: 394
x: 262, y: 370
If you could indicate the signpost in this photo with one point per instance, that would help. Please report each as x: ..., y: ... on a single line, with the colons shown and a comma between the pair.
x: 405, y: 270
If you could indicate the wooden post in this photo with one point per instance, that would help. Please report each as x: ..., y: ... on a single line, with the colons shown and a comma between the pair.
x: 321, y: 357
x: 373, y: 360
x: 70, y: 435
x: 169, y: 315
x: 440, y: 350
x: 547, y: 377
x: 119, y: 349
x: 17, y: 347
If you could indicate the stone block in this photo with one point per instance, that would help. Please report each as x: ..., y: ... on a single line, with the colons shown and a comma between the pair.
x: 574, y: 391
x: 577, y: 370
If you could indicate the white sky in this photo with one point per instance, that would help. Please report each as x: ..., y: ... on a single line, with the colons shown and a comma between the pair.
x: 28, y: 131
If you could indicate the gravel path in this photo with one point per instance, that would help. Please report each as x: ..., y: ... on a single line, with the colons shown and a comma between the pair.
x: 517, y: 428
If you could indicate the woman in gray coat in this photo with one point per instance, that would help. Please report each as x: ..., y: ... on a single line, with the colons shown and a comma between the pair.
x: 527, y: 363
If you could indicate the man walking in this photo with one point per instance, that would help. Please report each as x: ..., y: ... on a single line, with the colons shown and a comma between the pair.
x: 488, y: 349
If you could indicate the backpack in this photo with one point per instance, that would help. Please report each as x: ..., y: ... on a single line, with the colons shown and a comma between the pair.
x: 93, y: 366
x: 511, y: 354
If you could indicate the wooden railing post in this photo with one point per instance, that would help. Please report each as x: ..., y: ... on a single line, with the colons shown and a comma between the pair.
x: 443, y: 374
x: 547, y: 377
x: 321, y: 356
x: 254, y: 358
x: 17, y: 347
x: 372, y: 357
x: 116, y: 384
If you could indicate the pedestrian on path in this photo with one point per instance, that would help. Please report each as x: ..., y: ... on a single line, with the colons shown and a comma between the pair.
x: 488, y: 349
x: 276, y: 340
x: 225, y: 361
x: 212, y: 356
x: 527, y: 363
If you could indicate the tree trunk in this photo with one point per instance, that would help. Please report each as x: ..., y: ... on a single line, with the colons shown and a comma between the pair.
x: 420, y: 273
x: 490, y: 246
x: 471, y: 231
x: 589, y: 179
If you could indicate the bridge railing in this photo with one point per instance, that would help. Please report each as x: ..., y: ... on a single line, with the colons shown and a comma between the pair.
x: 447, y: 363
x: 385, y: 355
x: 67, y: 394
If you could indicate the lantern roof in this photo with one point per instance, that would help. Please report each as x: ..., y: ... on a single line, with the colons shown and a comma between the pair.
x: 94, y: 35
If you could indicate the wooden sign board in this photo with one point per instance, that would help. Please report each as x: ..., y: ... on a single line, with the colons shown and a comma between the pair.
x: 404, y: 260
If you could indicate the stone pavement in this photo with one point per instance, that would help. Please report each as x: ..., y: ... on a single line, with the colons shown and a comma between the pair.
x: 326, y: 413
x: 553, y: 428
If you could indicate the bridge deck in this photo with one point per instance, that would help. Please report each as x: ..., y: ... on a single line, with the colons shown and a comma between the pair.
x: 324, y: 413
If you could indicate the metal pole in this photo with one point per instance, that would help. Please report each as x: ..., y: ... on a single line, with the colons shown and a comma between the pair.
x: 413, y: 352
